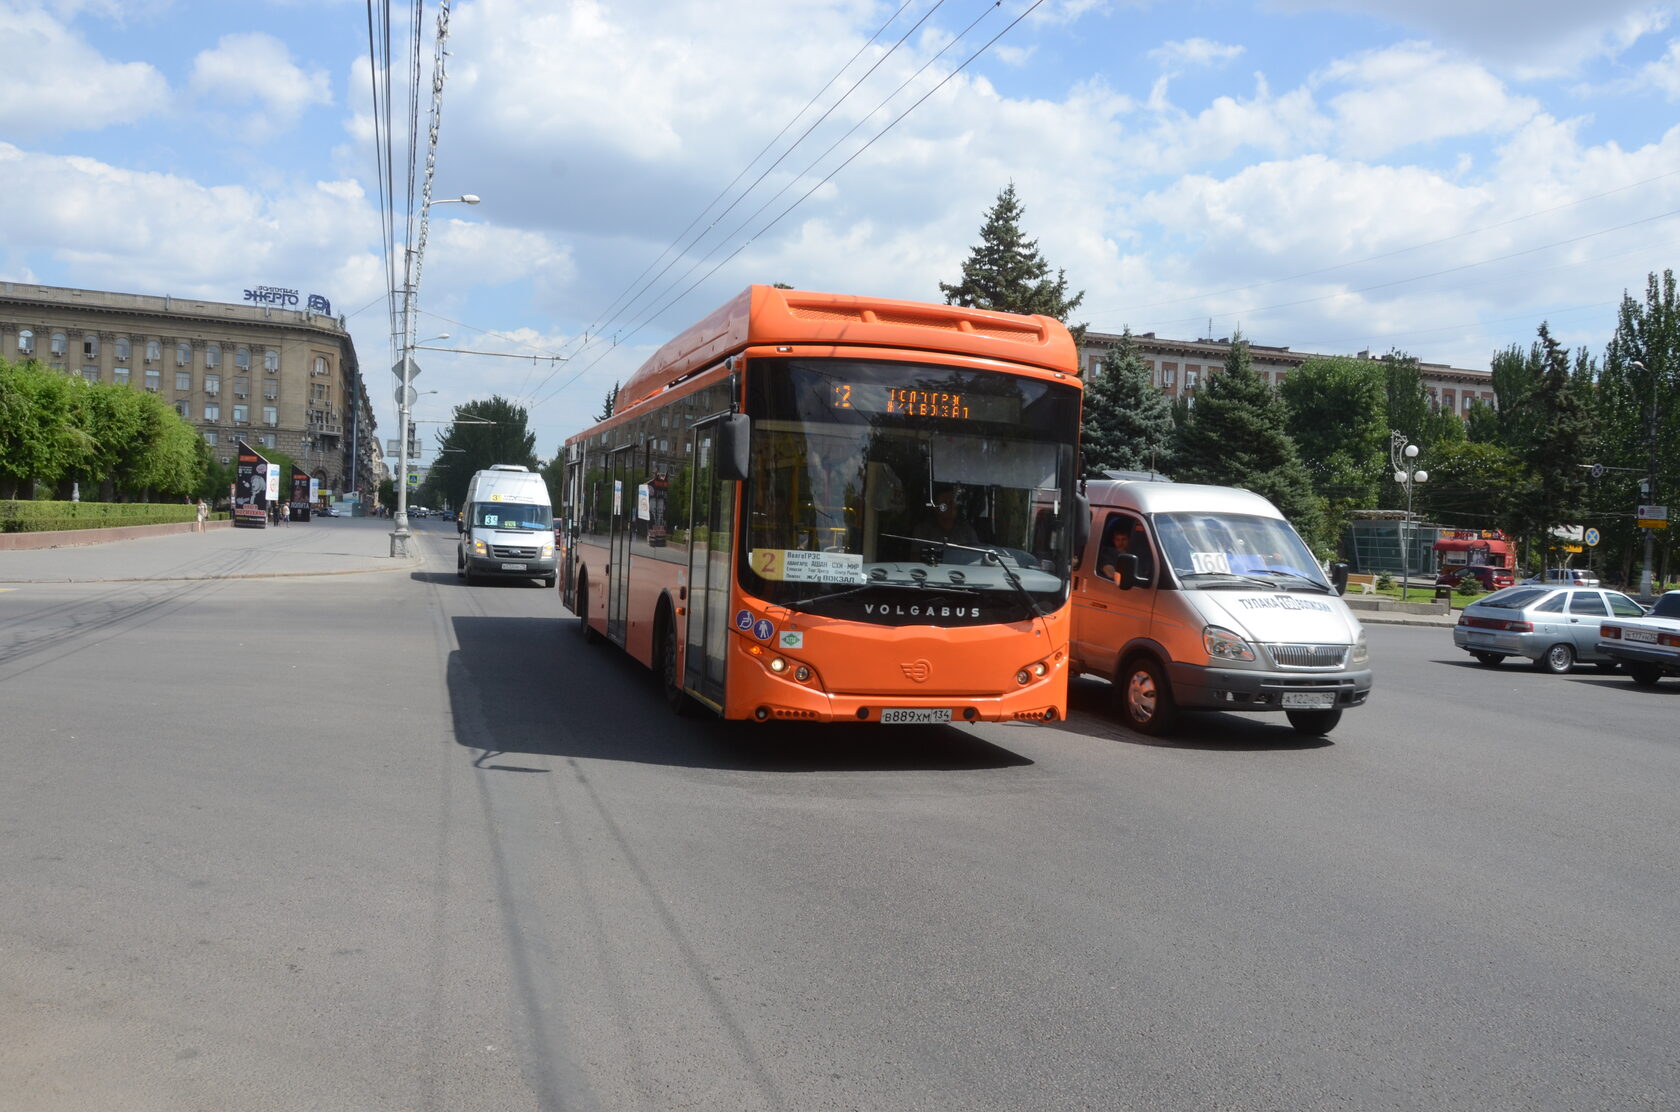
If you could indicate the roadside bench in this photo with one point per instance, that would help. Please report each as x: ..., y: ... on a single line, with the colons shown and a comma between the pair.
x: 1364, y: 581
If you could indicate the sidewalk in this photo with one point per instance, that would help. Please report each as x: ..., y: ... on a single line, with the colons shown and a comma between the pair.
x: 325, y: 546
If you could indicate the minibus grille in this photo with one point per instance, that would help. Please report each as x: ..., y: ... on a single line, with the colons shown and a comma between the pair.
x: 512, y: 552
x: 1308, y: 656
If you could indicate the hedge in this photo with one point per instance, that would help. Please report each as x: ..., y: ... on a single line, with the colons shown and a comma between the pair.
x: 44, y: 517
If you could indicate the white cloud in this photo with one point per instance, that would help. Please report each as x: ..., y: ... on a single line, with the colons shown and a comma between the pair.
x: 1412, y: 94
x: 256, y: 69
x: 1664, y: 74
x: 56, y: 82
x: 1178, y: 56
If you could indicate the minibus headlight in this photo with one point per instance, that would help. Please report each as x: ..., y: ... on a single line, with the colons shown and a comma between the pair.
x: 478, y: 548
x: 1222, y: 644
x: 548, y: 550
x: 1360, y: 652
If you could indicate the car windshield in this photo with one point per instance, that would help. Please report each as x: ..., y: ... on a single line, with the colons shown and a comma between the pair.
x: 1667, y: 607
x: 1222, y: 550
x: 512, y: 515
x: 872, y: 480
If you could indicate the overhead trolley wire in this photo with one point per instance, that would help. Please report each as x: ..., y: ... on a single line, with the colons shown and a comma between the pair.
x: 806, y: 195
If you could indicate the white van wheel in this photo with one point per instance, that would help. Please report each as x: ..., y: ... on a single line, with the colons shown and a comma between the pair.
x: 1146, y: 698
x: 1314, y: 722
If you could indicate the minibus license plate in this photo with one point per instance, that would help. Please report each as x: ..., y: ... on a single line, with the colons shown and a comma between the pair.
x: 915, y: 715
x: 1312, y: 699
x: 514, y: 567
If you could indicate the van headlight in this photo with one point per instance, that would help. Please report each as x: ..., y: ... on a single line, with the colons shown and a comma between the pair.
x: 1222, y: 644
x: 1360, y: 652
x: 548, y: 550
x: 478, y: 548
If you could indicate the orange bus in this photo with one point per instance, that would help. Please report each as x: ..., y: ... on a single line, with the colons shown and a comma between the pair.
x: 827, y: 508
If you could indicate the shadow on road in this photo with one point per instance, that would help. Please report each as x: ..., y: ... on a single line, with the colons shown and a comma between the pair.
x: 531, y: 686
x: 1091, y: 713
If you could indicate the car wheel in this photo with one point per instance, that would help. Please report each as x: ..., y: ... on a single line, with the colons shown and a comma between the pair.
x: 1645, y: 675
x: 460, y: 564
x: 549, y: 582
x: 1557, y: 660
x: 1314, y: 721
x: 1490, y: 660
x: 1146, y: 698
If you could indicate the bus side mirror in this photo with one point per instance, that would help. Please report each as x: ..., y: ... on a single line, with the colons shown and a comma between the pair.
x: 1339, y: 575
x: 734, y: 440
x: 1081, y: 524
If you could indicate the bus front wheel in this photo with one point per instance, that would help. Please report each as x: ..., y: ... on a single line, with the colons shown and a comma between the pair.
x: 670, y: 680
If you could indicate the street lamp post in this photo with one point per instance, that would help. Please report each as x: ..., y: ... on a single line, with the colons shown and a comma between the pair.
x: 1645, y: 592
x: 411, y: 279
x: 1401, y: 455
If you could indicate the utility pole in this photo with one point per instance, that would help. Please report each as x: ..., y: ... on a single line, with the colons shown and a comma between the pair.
x: 1650, y: 485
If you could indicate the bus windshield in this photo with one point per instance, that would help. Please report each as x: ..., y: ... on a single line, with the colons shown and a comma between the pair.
x: 1224, y: 551
x: 873, y: 480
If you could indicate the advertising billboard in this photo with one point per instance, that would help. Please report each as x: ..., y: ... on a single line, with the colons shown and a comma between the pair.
x: 250, y: 489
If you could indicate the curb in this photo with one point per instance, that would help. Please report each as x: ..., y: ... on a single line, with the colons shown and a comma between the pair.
x: 407, y: 562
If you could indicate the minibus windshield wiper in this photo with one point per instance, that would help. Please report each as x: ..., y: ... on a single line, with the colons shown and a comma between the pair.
x: 1284, y: 573
x: 1225, y: 579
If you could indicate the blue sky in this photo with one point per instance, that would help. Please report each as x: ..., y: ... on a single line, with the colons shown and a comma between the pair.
x: 1330, y: 175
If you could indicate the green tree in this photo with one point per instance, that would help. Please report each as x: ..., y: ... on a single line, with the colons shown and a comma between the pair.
x: 1005, y: 272
x: 1638, y: 413
x: 483, y: 433
x: 34, y: 417
x: 608, y: 404
x: 1337, y: 410
x: 1236, y: 437
x: 1127, y: 424
x: 1557, y: 491
x: 1472, y: 485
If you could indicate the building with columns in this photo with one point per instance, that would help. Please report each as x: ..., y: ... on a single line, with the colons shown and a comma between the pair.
x: 1181, y: 367
x: 262, y: 372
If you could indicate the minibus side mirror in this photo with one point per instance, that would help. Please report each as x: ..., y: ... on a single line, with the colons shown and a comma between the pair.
x: 1125, y: 570
x: 1081, y: 525
x: 734, y: 440
x: 1339, y: 576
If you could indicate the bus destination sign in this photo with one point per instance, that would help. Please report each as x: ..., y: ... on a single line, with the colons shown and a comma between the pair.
x: 912, y: 401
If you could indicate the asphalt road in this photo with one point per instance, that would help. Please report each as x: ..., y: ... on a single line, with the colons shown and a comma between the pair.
x: 385, y: 841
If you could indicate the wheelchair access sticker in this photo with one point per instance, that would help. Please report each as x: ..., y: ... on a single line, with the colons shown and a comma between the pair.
x: 744, y: 620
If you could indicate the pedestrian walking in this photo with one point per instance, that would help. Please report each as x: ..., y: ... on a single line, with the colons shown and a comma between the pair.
x: 285, y: 513
x: 203, y: 514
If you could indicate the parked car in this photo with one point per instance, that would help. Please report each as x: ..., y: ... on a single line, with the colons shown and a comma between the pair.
x: 326, y: 511
x: 1565, y: 577
x: 1551, y: 626
x: 1490, y: 577
x: 1647, y: 648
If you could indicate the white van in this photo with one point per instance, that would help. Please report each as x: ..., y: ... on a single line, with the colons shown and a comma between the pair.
x: 1204, y: 598
x: 506, y: 526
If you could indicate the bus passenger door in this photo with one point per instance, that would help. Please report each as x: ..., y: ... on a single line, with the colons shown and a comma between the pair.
x: 620, y: 470
x: 571, y: 509
x: 712, y: 514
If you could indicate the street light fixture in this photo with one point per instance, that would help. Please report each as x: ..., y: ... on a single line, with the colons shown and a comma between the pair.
x: 463, y: 199
x: 1401, y: 455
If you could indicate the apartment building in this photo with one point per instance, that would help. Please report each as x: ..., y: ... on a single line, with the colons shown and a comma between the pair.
x: 273, y: 376
x: 1181, y: 367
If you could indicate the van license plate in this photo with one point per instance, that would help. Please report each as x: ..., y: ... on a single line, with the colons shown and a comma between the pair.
x: 1313, y: 700
x: 514, y: 567
x: 919, y: 716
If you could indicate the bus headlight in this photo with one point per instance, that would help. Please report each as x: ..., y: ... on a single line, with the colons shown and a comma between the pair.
x: 778, y: 665
x: 1222, y: 644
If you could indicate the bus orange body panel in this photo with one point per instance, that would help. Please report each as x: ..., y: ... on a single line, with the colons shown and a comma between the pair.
x: 895, y: 545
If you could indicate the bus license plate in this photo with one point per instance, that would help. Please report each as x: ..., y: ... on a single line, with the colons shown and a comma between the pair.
x: 1313, y: 700
x: 919, y: 716
x: 514, y: 567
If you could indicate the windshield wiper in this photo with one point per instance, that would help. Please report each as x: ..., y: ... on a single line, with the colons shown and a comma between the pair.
x: 936, y: 588
x: 1227, y: 576
x: 992, y: 555
x: 1296, y: 575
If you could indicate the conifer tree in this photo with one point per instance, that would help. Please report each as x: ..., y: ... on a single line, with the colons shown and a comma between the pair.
x: 1005, y: 272
x: 1236, y: 437
x: 1127, y: 423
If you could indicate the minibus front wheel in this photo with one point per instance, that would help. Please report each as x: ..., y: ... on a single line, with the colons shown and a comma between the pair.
x: 1145, y: 697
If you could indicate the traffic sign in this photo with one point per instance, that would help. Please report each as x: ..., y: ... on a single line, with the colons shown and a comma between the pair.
x: 1598, y: 471
x: 1653, y: 513
x: 1592, y: 537
x: 413, y: 369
